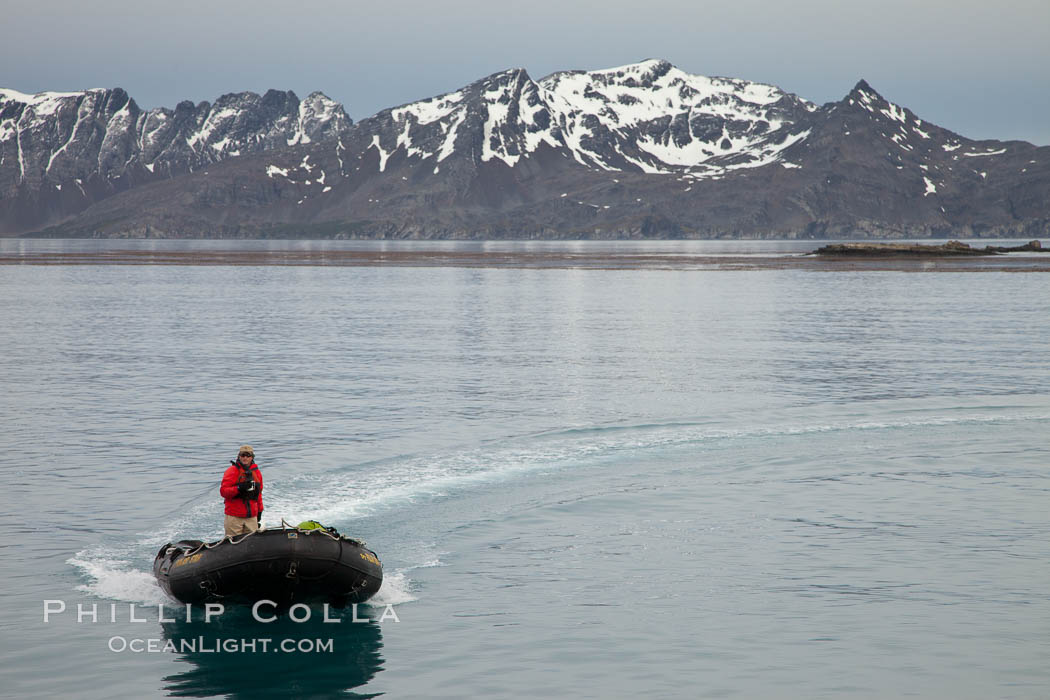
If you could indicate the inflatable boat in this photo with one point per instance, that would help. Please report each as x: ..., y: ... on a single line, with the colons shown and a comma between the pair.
x: 300, y: 564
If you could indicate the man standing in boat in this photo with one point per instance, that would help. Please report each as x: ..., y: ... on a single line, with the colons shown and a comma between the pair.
x: 241, y: 488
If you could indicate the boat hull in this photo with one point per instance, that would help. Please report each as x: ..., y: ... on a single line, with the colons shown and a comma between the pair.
x: 284, y: 566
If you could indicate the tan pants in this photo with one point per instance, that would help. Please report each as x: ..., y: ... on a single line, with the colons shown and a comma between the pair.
x: 240, y: 526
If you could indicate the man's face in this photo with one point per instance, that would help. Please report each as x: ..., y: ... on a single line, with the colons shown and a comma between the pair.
x: 246, y: 458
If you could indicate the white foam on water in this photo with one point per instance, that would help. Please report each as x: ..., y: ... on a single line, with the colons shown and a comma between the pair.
x: 396, y: 589
x: 397, y: 586
x: 426, y: 565
x: 114, y: 579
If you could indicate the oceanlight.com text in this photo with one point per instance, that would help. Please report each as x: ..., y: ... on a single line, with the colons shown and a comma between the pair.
x: 200, y: 645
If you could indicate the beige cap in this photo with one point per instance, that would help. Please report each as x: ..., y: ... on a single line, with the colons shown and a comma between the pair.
x: 246, y: 448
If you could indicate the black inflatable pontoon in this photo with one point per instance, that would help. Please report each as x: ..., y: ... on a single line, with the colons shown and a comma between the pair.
x: 289, y: 565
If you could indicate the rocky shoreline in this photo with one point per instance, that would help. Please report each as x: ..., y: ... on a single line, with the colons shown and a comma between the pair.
x: 951, y: 248
x: 581, y: 259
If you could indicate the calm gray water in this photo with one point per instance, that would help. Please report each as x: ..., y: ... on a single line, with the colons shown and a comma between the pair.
x: 582, y: 483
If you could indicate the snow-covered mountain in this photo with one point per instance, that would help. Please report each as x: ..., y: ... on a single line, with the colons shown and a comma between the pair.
x: 650, y: 117
x: 94, y: 143
x: 640, y: 150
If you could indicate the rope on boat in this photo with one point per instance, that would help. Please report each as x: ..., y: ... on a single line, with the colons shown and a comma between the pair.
x: 213, y: 545
x: 285, y: 525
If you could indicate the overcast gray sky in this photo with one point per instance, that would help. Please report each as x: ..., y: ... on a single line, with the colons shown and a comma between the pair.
x: 978, y: 67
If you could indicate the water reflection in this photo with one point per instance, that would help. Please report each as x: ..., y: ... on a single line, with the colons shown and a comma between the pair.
x: 344, y: 656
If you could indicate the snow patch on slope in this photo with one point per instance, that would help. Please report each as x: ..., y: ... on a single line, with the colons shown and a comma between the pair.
x: 672, y: 110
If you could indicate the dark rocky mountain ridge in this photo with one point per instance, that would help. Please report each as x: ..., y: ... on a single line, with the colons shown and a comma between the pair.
x: 62, y: 152
x: 639, y: 151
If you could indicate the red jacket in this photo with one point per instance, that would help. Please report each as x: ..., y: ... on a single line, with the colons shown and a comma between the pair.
x: 236, y: 504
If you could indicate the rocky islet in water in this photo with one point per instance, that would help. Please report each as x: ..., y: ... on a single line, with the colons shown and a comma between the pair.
x: 951, y: 248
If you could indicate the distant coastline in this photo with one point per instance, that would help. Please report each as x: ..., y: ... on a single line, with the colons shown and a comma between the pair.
x: 582, y: 255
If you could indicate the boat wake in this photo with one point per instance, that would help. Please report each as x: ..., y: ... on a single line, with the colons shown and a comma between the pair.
x: 366, y: 497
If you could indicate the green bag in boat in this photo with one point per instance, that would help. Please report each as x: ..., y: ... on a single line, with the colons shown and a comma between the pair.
x: 314, y: 525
